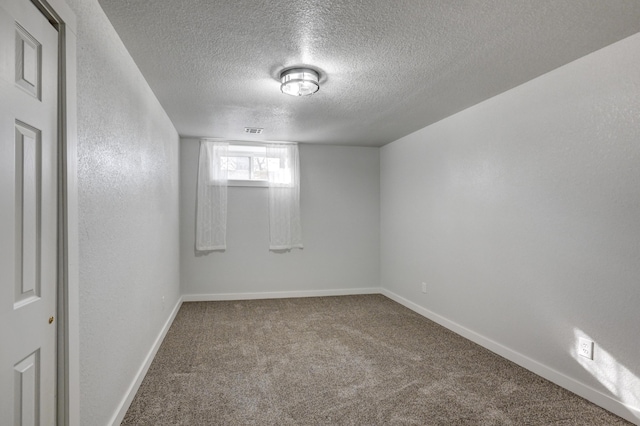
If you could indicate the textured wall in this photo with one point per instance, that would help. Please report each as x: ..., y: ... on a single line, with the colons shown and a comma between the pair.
x: 521, y: 214
x: 340, y: 228
x: 128, y: 196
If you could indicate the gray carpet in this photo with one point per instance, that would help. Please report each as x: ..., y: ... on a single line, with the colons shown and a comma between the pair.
x: 356, y: 360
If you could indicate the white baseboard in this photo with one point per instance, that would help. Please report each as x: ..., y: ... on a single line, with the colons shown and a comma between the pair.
x: 605, y: 401
x: 121, y: 411
x: 278, y: 294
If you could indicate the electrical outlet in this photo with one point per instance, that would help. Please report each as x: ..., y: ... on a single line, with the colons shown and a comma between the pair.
x: 424, y: 287
x: 585, y: 347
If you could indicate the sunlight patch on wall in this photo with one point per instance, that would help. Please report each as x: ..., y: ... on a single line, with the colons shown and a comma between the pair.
x: 618, y: 379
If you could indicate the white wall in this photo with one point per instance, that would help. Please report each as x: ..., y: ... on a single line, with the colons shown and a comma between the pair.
x: 340, y: 226
x: 522, y: 215
x: 128, y: 197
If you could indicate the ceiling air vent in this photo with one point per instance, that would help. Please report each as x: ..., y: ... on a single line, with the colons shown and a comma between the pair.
x: 253, y: 130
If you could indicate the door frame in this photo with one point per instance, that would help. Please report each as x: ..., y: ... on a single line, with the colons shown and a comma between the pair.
x: 68, y: 334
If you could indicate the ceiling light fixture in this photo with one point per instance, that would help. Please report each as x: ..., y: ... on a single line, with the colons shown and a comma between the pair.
x: 299, y: 81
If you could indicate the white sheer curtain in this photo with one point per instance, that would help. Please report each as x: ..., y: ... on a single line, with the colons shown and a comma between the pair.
x: 211, y: 210
x: 285, y: 228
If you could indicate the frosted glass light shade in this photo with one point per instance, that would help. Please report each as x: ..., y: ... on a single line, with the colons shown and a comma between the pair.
x: 299, y: 82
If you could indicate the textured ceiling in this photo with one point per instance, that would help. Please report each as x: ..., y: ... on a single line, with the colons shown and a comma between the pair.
x: 387, y: 68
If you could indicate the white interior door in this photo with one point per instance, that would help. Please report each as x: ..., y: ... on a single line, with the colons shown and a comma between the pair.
x: 28, y: 224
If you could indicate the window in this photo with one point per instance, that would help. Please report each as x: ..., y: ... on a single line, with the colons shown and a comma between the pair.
x: 248, y: 165
x: 276, y: 166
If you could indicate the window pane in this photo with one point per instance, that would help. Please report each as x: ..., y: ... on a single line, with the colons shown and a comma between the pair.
x: 238, y: 168
x: 259, y: 169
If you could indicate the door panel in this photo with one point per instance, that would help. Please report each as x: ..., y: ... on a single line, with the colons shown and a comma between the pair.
x: 28, y: 61
x: 28, y: 207
x: 26, y: 385
x: 27, y: 225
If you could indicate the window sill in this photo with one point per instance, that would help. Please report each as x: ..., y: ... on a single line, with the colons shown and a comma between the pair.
x: 248, y: 183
